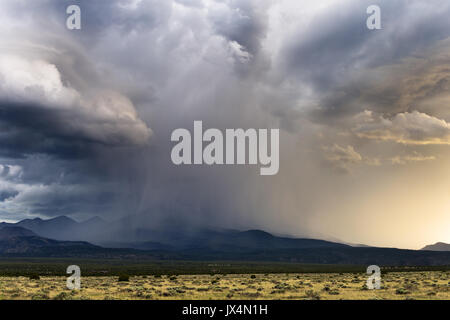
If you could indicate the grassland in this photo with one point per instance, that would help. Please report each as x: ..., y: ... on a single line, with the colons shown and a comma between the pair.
x: 38, y: 278
x: 325, y: 286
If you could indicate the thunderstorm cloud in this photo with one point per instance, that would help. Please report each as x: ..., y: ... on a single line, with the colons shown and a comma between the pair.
x: 86, y: 115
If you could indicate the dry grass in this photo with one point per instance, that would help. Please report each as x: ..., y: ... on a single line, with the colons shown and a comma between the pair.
x: 399, y: 285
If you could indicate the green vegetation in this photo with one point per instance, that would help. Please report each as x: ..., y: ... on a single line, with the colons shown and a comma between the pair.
x: 124, y: 278
x: 116, y: 267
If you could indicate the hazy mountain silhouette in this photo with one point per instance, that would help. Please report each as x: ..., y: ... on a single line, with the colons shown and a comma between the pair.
x: 50, y: 238
x: 11, y: 232
x: 438, y: 246
x: 18, y: 240
x: 63, y: 228
x: 53, y: 228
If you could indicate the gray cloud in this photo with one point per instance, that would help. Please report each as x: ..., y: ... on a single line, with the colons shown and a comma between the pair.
x: 409, y: 128
x: 342, y: 157
x: 336, y: 43
x: 243, y: 22
x: 88, y: 117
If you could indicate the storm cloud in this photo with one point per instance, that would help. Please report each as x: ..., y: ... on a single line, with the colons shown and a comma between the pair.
x: 86, y: 115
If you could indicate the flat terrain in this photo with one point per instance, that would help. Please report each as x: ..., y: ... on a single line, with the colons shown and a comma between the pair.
x: 395, y: 285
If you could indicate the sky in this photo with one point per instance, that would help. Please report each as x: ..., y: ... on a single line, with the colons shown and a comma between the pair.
x: 86, y: 115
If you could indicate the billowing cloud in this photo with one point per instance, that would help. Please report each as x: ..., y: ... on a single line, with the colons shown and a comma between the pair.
x: 413, y: 128
x: 241, y: 22
x: 32, y: 86
x: 10, y: 171
x: 87, y: 114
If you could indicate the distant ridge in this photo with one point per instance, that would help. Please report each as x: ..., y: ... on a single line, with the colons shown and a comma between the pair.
x: 21, y: 241
x: 59, y: 228
x: 438, y: 246
x: 64, y: 237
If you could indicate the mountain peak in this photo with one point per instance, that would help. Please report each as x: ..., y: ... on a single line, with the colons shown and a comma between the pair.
x: 438, y: 246
x: 62, y: 219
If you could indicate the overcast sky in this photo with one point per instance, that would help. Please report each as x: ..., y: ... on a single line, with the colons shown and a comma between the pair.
x: 364, y: 115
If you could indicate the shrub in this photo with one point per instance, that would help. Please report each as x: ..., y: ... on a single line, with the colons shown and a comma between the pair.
x: 310, y: 294
x: 401, y: 291
x: 40, y: 296
x: 124, y: 277
x: 333, y: 292
x: 62, y: 296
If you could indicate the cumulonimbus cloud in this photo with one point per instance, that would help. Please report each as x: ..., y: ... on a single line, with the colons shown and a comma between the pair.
x: 106, y: 116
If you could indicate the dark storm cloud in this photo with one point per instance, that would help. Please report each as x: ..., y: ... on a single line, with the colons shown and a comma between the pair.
x: 244, y: 22
x: 418, y: 83
x: 66, y: 200
x: 64, y: 170
x: 8, y: 194
x: 61, y: 122
x: 83, y: 150
x: 337, y: 43
x: 32, y: 129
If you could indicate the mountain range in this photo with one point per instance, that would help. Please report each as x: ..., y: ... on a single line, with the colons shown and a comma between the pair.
x: 21, y: 241
x: 95, y: 238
